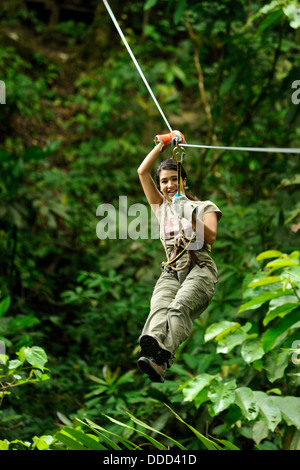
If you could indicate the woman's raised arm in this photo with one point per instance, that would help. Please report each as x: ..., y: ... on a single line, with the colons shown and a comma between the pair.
x: 151, y: 191
x: 144, y: 171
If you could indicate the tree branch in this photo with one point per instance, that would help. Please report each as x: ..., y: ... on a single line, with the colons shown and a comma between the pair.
x: 211, y: 137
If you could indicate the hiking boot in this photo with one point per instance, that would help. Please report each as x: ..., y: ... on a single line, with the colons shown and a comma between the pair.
x: 151, y: 347
x: 155, y: 372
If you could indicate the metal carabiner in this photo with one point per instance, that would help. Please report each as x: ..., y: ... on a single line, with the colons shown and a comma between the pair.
x: 179, y: 162
x: 176, y: 149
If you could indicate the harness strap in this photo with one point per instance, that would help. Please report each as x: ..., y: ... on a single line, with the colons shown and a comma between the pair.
x: 196, y: 260
x: 178, y: 156
x: 192, y: 258
x: 202, y: 264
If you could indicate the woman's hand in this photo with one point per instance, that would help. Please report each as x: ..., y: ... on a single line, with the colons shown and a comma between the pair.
x: 165, y: 139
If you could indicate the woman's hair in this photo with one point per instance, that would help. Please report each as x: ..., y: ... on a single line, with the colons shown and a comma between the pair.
x: 171, y: 164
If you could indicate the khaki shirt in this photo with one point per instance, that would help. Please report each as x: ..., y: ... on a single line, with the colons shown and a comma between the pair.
x: 170, y: 228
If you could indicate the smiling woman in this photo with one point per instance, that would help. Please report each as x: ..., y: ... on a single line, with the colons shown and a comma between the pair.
x: 187, y: 283
x: 167, y: 173
x: 168, y: 183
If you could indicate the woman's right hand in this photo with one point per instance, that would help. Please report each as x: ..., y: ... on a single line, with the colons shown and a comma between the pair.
x: 175, y: 136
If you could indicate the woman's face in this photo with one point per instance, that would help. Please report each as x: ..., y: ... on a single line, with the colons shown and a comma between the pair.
x: 168, y: 183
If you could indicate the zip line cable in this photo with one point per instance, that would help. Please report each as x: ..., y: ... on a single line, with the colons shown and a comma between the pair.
x: 243, y: 149
x: 247, y: 149
x: 136, y: 63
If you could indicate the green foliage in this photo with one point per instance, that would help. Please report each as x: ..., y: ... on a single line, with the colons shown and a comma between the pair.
x: 77, y: 439
x: 28, y: 368
x: 265, y: 343
x: 275, y: 10
x: 11, y: 369
x: 99, y: 438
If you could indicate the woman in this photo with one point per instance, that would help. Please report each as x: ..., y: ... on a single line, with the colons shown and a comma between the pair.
x: 186, y: 286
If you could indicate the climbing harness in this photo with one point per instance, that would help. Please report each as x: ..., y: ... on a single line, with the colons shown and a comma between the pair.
x: 242, y: 149
x: 180, y: 240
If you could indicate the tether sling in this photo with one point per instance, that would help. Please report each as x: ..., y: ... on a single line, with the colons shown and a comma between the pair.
x: 191, y: 262
x: 180, y: 242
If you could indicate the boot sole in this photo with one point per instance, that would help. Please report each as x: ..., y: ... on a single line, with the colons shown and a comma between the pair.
x: 150, y: 347
x: 145, y: 366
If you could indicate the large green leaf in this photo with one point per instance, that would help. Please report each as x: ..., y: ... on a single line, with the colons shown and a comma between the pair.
x: 290, y: 409
x: 272, y: 18
x: 261, y: 299
x: 42, y: 442
x: 275, y: 364
x: 202, y: 397
x: 244, y: 398
x: 4, y: 445
x: 36, y: 356
x: 266, y: 280
x: 281, y: 263
x: 292, y: 274
x: 149, y: 4
x: 272, y: 335
x: 179, y: 11
x: 4, y: 305
x: 279, y: 311
x: 222, y: 395
x: 252, y: 350
x: 232, y: 337
x: 194, y: 386
x: 259, y: 431
x: 216, y: 328
x: 269, y: 254
x: 268, y: 409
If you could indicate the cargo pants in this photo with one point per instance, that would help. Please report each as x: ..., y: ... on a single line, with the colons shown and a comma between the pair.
x: 176, y: 303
